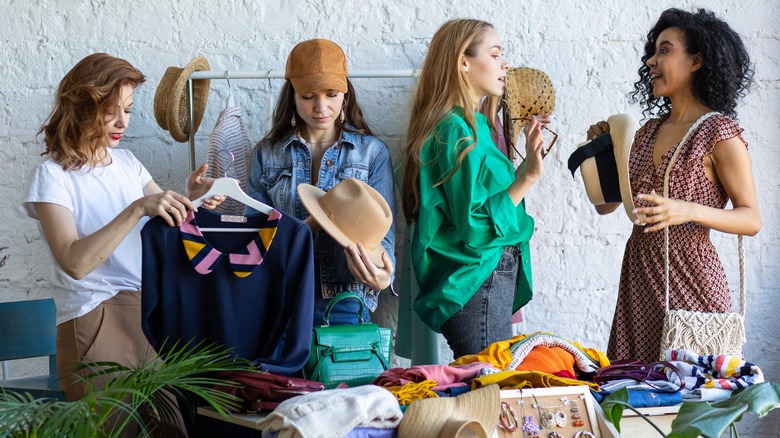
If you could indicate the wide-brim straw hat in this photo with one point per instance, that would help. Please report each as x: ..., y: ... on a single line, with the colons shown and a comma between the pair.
x: 351, y: 212
x: 603, y: 162
x: 528, y: 92
x: 473, y: 414
x: 171, y: 103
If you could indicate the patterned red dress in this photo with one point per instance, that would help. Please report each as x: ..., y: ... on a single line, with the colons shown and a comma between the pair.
x: 697, y: 279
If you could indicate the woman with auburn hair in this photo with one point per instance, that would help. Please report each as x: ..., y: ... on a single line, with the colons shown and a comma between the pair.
x: 694, y: 70
x: 319, y: 137
x: 91, y: 200
x: 465, y: 197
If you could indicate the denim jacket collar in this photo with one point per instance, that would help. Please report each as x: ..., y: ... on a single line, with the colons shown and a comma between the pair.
x: 347, y: 138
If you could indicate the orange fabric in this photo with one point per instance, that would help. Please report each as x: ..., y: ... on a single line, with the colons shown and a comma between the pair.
x: 548, y: 360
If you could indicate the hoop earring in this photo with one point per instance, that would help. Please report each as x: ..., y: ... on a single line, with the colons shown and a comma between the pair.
x: 293, y: 122
x: 342, y: 116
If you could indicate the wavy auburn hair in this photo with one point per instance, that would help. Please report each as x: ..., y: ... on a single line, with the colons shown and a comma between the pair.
x: 725, y: 75
x: 442, y: 85
x: 76, y: 129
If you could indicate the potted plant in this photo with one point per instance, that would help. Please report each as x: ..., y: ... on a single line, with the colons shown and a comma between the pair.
x: 184, y: 371
x: 709, y: 419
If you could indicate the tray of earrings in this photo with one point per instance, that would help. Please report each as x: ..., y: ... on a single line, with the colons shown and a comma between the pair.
x: 557, y: 412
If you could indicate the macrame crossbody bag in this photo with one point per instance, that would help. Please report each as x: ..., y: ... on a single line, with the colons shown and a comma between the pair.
x: 703, y: 333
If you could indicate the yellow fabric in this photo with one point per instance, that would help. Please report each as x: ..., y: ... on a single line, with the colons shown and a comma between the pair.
x: 496, y: 354
x: 412, y: 392
x: 267, y: 236
x: 527, y: 379
x: 192, y: 248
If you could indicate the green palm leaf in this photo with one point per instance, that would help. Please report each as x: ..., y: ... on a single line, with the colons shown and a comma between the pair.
x: 184, y: 371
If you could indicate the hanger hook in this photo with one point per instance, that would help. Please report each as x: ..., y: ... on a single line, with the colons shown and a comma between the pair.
x: 227, y: 78
x: 232, y: 159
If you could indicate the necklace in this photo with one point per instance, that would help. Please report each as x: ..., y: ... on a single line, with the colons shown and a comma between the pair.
x: 321, y: 142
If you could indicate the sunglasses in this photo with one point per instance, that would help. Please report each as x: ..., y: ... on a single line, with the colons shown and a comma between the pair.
x: 546, y: 150
x: 508, y: 120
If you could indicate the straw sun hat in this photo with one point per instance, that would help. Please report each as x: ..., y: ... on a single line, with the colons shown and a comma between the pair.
x: 171, y: 105
x: 603, y: 162
x: 473, y: 414
x: 527, y: 92
x: 351, y: 212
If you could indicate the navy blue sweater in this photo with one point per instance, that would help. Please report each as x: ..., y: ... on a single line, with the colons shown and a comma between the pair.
x: 209, y: 286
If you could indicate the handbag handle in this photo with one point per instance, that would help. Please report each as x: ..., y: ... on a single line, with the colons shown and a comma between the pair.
x: 343, y: 296
x: 742, y: 289
x: 642, y: 372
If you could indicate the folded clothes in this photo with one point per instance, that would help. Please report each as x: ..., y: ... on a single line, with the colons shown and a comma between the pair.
x: 645, y: 398
x: 509, y: 354
x: 340, y: 409
x: 713, y: 377
x: 445, y: 376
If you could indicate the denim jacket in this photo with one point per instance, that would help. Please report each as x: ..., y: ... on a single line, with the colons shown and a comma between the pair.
x: 278, y: 169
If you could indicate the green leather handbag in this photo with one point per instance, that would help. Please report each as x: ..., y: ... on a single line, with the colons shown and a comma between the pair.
x: 353, y: 354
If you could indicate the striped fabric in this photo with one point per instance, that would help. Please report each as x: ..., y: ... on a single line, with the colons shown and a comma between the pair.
x: 714, y: 371
x: 205, y: 258
x: 229, y: 135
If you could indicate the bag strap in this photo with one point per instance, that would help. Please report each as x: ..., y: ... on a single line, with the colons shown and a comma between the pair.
x: 674, y: 369
x: 667, y: 175
x: 343, y: 296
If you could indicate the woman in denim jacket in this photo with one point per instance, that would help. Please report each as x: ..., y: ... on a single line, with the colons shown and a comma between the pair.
x: 319, y: 137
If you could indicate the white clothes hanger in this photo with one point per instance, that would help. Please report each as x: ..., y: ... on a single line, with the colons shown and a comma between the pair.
x: 229, y: 187
x: 230, y: 101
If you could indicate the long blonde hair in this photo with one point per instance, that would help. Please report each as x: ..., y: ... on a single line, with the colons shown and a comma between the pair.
x: 442, y: 85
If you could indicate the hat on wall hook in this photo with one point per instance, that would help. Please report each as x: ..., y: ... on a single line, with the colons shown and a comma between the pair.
x: 171, y: 102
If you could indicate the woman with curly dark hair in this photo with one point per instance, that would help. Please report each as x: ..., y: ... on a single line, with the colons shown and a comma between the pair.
x: 695, y: 68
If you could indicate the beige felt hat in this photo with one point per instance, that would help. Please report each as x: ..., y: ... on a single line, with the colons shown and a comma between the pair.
x: 171, y: 105
x: 351, y: 212
x: 473, y: 414
x: 603, y: 162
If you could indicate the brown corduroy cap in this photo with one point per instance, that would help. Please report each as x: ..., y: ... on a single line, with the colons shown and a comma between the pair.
x: 315, y: 65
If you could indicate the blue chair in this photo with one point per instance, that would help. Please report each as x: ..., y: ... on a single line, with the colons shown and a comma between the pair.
x: 29, y: 329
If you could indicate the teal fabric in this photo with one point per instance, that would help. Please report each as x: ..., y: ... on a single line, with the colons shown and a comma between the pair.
x: 414, y: 340
x: 465, y: 222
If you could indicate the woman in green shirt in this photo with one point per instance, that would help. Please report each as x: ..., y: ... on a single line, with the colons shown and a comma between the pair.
x: 472, y: 230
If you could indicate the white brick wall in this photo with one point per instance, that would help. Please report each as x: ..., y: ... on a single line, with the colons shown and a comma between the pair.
x: 591, y: 53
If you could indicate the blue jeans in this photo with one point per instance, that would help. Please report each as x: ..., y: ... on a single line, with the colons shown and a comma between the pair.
x: 487, y: 316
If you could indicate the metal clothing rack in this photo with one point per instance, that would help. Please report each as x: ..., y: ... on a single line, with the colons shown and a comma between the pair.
x: 270, y: 74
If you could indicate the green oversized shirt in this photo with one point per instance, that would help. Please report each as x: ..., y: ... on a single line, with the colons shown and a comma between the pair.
x: 464, y: 223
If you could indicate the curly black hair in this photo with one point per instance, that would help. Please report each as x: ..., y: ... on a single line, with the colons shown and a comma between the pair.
x: 725, y: 75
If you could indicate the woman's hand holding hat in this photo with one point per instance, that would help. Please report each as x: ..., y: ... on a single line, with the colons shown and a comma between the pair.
x: 598, y: 130
x: 365, y: 271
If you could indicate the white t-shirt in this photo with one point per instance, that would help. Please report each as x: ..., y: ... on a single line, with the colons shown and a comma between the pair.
x: 95, y: 196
